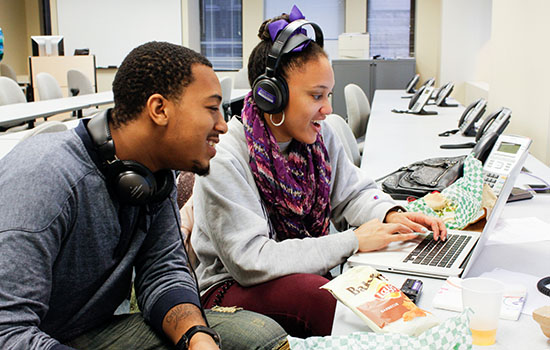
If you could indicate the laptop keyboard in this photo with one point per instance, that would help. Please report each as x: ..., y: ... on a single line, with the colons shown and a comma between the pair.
x: 438, y: 253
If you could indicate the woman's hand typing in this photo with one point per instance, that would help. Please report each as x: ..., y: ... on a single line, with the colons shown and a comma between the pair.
x: 374, y: 235
x: 419, y: 222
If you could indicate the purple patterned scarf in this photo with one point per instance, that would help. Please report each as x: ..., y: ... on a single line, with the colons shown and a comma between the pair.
x: 295, y: 190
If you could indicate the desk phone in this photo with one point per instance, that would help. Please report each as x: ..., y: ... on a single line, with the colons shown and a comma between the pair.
x: 505, y: 154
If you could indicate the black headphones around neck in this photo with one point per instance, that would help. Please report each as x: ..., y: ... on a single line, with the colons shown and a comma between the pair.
x: 270, y: 92
x: 132, y: 182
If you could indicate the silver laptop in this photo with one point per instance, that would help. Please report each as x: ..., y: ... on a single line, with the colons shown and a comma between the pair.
x: 425, y: 257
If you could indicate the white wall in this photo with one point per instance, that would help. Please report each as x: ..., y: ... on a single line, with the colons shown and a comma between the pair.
x: 520, y: 70
x: 427, y: 39
x: 18, y: 20
x: 465, y: 43
x: 502, y: 45
x: 356, y: 16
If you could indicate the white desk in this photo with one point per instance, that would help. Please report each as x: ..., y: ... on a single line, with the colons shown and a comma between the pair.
x: 33, y: 110
x: 393, y: 140
x: 238, y: 94
x: 23, y: 112
x: 9, y: 140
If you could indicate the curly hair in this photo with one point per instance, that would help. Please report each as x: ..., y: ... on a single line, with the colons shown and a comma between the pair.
x: 288, y: 62
x: 154, y: 67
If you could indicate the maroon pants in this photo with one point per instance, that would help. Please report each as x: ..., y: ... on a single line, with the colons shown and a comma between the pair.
x: 294, y: 301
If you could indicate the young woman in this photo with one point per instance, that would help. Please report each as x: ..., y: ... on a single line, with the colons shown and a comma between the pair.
x: 261, y: 229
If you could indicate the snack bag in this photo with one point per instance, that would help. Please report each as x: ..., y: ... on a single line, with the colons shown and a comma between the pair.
x: 382, y: 306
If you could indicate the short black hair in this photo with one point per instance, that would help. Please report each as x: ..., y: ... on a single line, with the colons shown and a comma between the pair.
x: 154, y: 67
x: 289, y: 61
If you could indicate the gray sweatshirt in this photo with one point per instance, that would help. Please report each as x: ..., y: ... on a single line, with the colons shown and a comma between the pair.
x: 67, y: 247
x: 232, y: 235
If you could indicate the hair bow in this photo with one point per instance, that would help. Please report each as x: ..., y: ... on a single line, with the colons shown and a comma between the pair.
x: 276, y: 26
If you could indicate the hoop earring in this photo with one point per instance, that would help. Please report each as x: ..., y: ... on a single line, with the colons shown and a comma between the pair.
x: 279, y: 123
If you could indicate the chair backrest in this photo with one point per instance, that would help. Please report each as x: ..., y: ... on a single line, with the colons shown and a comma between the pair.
x: 184, y: 184
x: 10, y: 92
x: 78, y: 83
x: 343, y: 131
x: 48, y: 87
x: 227, y: 86
x: 358, y: 109
x: 47, y: 126
x: 7, y: 71
x: 241, y: 79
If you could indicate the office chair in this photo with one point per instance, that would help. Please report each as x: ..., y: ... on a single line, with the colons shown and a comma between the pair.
x: 227, y: 86
x: 358, y: 111
x: 185, y: 182
x: 11, y: 93
x: 241, y: 79
x: 46, y: 127
x: 78, y: 83
x: 48, y: 87
x: 344, y: 133
x: 184, y: 185
x: 7, y: 71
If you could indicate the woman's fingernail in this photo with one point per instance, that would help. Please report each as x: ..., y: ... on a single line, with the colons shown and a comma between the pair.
x: 425, y: 230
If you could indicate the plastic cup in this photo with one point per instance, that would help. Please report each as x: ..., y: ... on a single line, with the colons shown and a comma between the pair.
x: 484, y: 297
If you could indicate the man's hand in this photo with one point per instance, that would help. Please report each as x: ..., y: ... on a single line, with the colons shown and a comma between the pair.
x: 202, y: 341
x: 182, y: 317
x: 419, y: 222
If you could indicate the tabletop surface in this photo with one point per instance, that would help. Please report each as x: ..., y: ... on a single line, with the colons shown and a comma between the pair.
x: 22, y: 112
x: 415, y: 137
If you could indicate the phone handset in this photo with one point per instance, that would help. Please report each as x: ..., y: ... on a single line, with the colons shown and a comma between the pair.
x: 497, y: 122
x: 484, y: 145
x: 443, y: 93
x: 411, y: 84
x: 470, y: 116
x: 418, y: 101
x: 416, y: 96
x: 429, y: 82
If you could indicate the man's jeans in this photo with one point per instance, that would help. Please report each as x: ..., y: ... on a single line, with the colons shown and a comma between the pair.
x: 238, y: 330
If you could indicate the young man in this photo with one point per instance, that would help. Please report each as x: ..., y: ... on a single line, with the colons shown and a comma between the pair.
x: 83, y: 208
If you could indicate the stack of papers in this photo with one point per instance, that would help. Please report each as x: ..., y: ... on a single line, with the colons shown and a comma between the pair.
x: 519, y: 230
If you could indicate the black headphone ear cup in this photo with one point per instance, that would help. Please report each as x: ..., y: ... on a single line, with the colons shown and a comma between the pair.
x: 165, y: 185
x: 133, y: 183
x: 270, y: 94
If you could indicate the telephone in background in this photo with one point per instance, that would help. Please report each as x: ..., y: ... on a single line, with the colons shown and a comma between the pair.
x: 497, y: 122
x: 440, y: 95
x: 419, y: 100
x: 500, y: 154
x: 409, y: 89
x: 468, y: 119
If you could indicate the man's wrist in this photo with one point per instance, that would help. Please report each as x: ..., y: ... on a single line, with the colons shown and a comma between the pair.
x: 183, y: 343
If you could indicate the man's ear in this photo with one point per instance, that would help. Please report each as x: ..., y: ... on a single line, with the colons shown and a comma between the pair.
x: 157, y: 108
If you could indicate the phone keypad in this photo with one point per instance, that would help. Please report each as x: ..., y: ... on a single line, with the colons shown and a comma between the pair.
x: 495, y: 181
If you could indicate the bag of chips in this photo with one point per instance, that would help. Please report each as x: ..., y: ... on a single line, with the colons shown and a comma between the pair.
x: 382, y: 306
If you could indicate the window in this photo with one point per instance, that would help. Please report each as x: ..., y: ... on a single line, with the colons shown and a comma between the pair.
x: 390, y: 24
x: 221, y: 33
